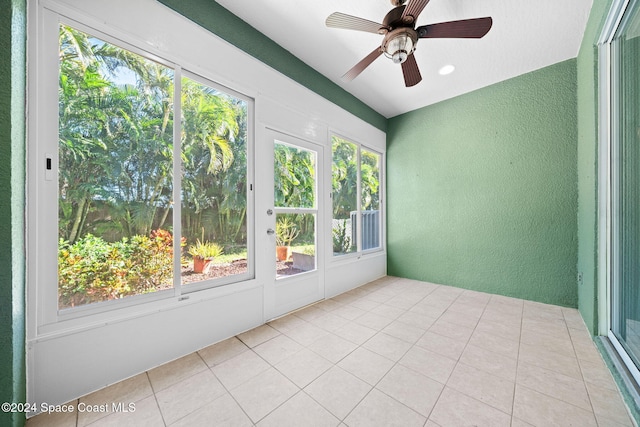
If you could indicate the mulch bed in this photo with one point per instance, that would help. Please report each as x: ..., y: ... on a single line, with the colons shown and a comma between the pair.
x: 284, y: 268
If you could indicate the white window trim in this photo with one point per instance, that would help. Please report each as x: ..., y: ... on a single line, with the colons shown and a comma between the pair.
x: 47, y: 318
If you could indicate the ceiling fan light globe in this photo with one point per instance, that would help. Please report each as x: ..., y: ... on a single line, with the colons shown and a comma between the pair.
x: 399, y: 57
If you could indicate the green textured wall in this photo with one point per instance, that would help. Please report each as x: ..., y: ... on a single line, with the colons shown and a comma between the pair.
x: 218, y: 20
x: 482, y: 189
x: 12, y: 125
x: 588, y: 166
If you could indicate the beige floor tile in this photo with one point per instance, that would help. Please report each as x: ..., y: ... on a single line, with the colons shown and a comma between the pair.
x: 373, y: 321
x: 306, y: 334
x: 355, y: 333
x: 495, y: 343
x: 240, y: 369
x: 258, y: 335
x: 554, y: 328
x: 608, y: 404
x: 428, y: 363
x: 463, y: 319
x: 366, y: 365
x: 224, y: 350
x: 277, y: 349
x: 597, y: 374
x: 286, y: 323
x: 541, y: 410
x: 144, y: 413
x: 587, y: 351
x: 515, y: 422
x: 431, y: 424
x: 329, y: 322
x: 349, y: 312
x: 388, y: 311
x: 442, y: 345
x: 451, y: 330
x: 55, y: 419
x: 505, y: 330
x: 332, y: 347
x: 223, y: 411
x: 185, y: 397
x: 378, y: 409
x: 388, y: 346
x: 328, y: 305
x: 263, y: 393
x: 127, y: 391
x: 365, y: 304
x: 402, y: 302
x: 541, y: 340
x: 418, y: 320
x: 500, y: 314
x: 176, y: 371
x: 544, y: 358
x: 469, y: 310
x: 411, y: 389
x: 300, y: 410
x: 404, y: 331
x: 455, y: 409
x: 487, y: 388
x: 309, y: 313
x: 428, y: 309
x: 490, y: 362
x: 554, y: 384
x: 303, y: 367
x: 338, y: 391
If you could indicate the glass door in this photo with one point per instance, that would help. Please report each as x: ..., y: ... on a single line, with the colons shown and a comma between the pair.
x: 625, y: 189
x: 295, y: 225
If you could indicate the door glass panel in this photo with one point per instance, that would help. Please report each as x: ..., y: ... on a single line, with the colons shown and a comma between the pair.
x: 370, y: 199
x: 295, y: 176
x: 626, y: 186
x: 214, y: 183
x: 115, y: 172
x: 295, y: 195
x: 344, y: 181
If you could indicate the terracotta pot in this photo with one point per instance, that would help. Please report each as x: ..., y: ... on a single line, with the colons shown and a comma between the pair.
x: 201, y: 265
x: 283, y: 253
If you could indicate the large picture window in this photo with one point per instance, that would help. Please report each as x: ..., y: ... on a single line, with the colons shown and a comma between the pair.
x: 625, y: 188
x: 126, y: 224
x: 356, y: 177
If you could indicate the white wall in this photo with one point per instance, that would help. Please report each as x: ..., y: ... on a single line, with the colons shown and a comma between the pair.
x: 68, y: 360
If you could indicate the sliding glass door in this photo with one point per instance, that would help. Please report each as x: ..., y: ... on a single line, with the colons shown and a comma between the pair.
x: 625, y: 187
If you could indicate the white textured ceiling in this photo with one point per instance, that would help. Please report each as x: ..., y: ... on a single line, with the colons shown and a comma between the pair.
x: 526, y: 35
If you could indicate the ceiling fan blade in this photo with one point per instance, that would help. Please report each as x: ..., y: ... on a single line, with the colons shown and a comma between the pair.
x: 414, y: 8
x: 360, y: 66
x: 350, y: 22
x: 411, y: 72
x: 464, y: 29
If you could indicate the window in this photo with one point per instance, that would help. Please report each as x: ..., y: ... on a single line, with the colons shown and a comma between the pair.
x: 120, y: 172
x: 356, y: 221
x: 625, y: 187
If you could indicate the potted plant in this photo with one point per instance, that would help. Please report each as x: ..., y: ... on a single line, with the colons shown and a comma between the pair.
x: 203, y: 254
x: 286, y: 232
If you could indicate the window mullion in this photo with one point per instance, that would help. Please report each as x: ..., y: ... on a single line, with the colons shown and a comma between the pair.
x: 177, y: 180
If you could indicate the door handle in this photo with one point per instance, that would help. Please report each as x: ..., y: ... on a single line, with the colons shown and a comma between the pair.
x: 270, y: 231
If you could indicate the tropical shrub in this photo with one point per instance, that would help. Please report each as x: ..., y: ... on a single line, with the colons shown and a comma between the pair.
x: 93, y: 270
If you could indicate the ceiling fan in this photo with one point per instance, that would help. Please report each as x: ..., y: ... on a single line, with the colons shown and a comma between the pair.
x: 401, y: 36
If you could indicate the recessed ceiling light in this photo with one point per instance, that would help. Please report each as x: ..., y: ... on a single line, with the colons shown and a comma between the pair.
x: 447, y: 69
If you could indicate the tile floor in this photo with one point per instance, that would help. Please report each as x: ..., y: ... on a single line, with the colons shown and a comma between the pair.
x: 394, y: 352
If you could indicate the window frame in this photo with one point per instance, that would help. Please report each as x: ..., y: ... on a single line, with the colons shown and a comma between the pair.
x: 42, y: 231
x: 359, y: 252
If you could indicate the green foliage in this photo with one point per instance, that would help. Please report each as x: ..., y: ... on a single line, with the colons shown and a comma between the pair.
x: 341, y: 239
x: 206, y: 250
x: 286, y: 231
x: 93, y: 270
